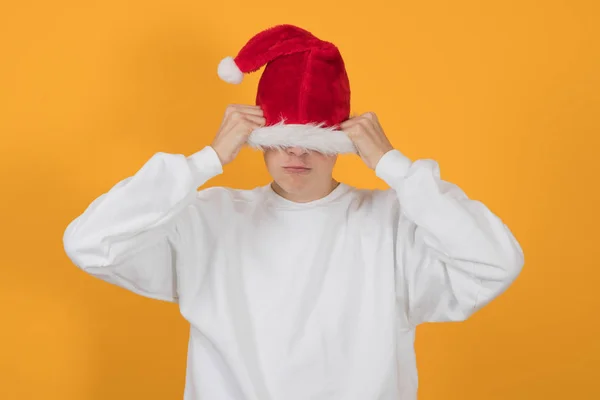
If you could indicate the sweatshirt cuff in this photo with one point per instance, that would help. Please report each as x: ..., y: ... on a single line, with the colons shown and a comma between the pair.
x: 393, y: 166
x: 205, y: 164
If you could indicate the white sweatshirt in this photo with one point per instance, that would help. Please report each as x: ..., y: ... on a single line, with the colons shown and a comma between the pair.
x: 298, y: 301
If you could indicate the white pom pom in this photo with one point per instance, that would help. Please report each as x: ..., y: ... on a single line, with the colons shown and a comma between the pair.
x: 229, y: 71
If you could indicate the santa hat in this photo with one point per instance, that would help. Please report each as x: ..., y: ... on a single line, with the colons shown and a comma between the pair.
x: 304, y: 90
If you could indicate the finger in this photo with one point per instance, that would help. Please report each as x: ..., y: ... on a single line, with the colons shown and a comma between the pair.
x: 237, y: 115
x: 354, y: 133
x: 358, y: 126
x: 369, y: 115
x: 247, y: 109
x: 259, y: 120
x: 371, y: 118
x: 237, y: 109
x: 378, y: 125
x: 367, y: 124
x: 248, y: 126
x: 245, y: 105
x: 375, y: 120
x: 256, y: 113
x: 348, y: 123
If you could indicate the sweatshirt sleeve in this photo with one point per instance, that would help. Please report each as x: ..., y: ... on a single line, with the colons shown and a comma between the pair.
x: 453, y: 255
x: 129, y: 235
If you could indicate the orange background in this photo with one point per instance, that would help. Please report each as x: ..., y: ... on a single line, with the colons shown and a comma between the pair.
x: 503, y: 94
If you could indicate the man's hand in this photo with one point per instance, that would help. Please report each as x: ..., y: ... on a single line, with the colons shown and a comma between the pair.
x: 368, y: 137
x: 239, y: 121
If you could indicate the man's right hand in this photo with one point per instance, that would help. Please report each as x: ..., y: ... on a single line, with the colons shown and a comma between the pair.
x: 239, y: 121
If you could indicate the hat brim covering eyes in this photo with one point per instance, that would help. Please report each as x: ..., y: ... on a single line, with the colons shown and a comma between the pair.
x: 308, y: 136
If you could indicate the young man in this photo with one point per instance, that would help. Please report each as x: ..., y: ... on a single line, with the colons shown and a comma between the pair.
x: 305, y: 288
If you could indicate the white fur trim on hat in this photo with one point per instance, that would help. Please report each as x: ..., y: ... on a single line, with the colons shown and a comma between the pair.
x: 309, y: 136
x: 229, y: 71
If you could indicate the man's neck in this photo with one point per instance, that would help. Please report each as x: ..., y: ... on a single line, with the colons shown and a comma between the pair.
x: 316, y: 194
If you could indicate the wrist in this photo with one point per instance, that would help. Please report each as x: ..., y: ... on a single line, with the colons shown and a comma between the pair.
x: 379, y: 156
x: 219, y: 152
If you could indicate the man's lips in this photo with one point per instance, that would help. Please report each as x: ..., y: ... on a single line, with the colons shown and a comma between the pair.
x: 296, y: 168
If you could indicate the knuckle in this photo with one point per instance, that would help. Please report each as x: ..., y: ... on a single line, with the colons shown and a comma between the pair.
x: 249, y: 125
x: 371, y: 116
x: 352, y: 132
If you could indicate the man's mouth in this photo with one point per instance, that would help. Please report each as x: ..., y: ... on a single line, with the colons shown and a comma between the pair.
x: 296, y: 169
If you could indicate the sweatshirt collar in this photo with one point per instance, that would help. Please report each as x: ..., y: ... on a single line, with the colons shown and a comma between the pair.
x: 275, y: 199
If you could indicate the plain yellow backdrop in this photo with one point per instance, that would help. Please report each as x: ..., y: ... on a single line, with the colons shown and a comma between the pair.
x: 503, y: 94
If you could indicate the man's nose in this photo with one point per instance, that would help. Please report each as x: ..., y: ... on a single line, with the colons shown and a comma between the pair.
x: 296, y: 150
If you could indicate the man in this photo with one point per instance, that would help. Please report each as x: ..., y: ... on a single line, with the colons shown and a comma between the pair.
x: 305, y: 288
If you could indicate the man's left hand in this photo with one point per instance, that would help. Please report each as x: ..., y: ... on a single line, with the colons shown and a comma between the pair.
x: 368, y: 137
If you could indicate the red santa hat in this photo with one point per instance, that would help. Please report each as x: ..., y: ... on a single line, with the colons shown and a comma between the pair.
x: 304, y: 90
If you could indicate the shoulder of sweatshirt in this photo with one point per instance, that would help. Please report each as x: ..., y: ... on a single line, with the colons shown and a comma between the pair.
x: 377, y: 201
